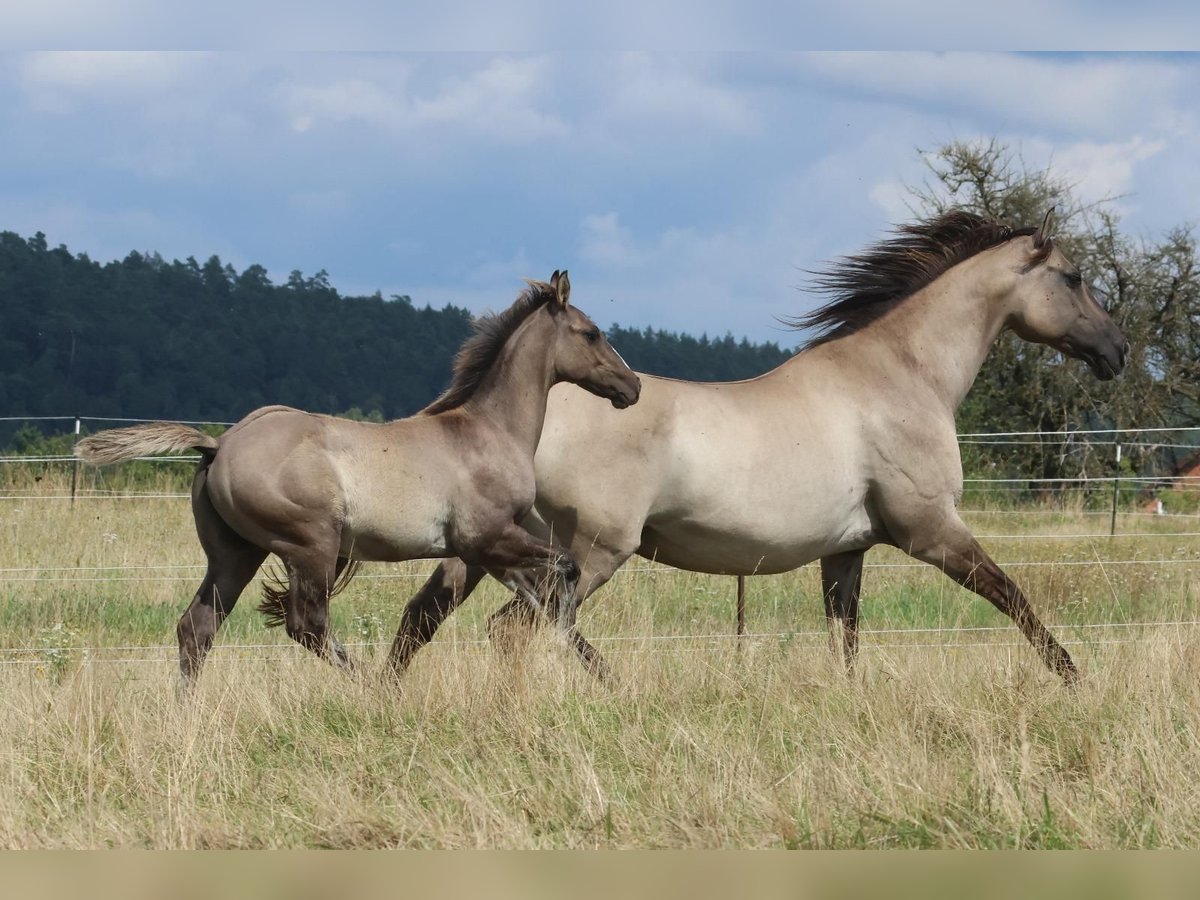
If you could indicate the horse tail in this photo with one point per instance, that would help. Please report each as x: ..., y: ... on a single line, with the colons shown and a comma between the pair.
x: 119, y: 444
x: 277, y: 587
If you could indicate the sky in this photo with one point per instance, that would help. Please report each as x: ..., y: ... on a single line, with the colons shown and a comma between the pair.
x: 683, y: 190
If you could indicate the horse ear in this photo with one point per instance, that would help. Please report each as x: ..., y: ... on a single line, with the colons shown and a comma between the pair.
x: 562, y: 287
x: 1043, y: 233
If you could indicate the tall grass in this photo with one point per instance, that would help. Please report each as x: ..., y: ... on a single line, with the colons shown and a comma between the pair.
x: 940, y: 738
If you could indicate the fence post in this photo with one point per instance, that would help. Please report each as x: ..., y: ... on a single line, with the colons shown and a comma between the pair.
x: 74, y: 462
x: 1112, y: 530
x: 741, y: 608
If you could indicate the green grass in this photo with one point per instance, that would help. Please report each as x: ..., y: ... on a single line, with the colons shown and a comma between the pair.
x: 939, y: 739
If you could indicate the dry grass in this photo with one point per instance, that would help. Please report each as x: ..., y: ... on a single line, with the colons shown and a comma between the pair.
x: 940, y: 739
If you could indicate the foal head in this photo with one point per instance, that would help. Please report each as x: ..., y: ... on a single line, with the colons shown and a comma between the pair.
x: 582, y: 354
x: 1052, y: 304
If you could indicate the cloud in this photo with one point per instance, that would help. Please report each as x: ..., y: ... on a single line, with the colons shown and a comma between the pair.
x: 690, y: 189
x: 322, y: 203
x: 499, y: 99
x: 1056, y: 95
x: 111, y: 231
x: 668, y: 91
x: 1102, y: 170
x: 894, y: 198
x: 58, y: 79
x: 346, y: 100
x: 604, y: 241
x: 690, y: 278
x: 1035, y: 24
x: 1096, y: 171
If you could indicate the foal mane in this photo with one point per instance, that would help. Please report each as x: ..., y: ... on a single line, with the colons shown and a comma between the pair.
x: 491, y: 332
x: 866, y: 285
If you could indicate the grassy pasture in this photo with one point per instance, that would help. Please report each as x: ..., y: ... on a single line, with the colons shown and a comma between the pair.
x: 944, y: 737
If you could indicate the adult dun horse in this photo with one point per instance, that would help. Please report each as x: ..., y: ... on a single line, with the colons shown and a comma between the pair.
x: 324, y: 493
x: 849, y: 444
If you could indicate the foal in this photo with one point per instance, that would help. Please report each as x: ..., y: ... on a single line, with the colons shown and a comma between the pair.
x: 324, y: 493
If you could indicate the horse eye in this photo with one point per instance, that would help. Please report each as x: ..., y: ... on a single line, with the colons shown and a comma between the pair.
x: 1074, y: 279
x: 592, y: 336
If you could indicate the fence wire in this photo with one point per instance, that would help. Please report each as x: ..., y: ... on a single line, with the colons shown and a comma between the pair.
x: 1102, y: 440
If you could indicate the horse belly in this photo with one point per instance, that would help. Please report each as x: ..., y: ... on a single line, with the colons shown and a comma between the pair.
x: 754, y: 542
x: 394, y: 547
x: 391, y: 526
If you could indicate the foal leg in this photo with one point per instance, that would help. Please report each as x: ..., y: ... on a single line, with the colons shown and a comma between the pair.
x: 311, y: 576
x: 450, y: 584
x: 544, y: 575
x: 955, y: 551
x: 232, y: 562
x: 841, y: 580
x: 599, y: 564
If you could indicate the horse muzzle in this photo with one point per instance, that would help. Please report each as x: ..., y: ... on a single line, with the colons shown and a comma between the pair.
x: 1106, y: 362
x: 1108, y: 365
x: 625, y: 395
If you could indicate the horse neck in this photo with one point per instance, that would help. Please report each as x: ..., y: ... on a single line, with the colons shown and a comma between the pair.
x: 513, y: 394
x: 941, y: 335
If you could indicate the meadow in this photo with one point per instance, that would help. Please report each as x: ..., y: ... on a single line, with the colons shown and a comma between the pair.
x: 948, y: 734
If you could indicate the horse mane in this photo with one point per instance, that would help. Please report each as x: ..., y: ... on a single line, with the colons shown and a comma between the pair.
x: 479, y: 353
x: 866, y: 285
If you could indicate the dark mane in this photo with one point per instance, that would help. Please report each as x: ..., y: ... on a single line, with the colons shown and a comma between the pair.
x: 865, y: 286
x: 477, y: 356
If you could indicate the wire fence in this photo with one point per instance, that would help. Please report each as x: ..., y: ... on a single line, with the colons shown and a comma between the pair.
x: 883, y: 639
x: 189, y: 572
x: 1115, y: 480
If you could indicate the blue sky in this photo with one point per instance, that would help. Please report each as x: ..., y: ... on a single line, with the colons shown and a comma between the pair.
x: 683, y: 190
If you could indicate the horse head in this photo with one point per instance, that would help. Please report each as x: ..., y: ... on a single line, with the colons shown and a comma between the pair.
x: 583, y: 355
x: 1053, y: 305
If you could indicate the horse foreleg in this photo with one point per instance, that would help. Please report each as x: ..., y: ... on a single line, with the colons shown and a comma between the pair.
x: 518, y: 615
x: 957, y: 553
x: 841, y: 580
x: 449, y: 585
x: 598, y: 564
x: 514, y: 617
x: 545, y: 578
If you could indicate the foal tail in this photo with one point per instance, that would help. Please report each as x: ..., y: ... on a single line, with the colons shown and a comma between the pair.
x: 120, y: 444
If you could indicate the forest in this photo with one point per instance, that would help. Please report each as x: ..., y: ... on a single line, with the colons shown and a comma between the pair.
x: 146, y: 338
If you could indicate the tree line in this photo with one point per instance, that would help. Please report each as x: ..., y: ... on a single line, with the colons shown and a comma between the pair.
x: 146, y: 338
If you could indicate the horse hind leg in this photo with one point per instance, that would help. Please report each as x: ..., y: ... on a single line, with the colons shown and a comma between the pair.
x: 301, y: 604
x: 226, y: 578
x: 232, y: 563
x: 841, y: 580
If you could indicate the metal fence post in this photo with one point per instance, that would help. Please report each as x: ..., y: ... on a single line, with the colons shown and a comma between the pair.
x: 1112, y: 530
x: 75, y: 462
